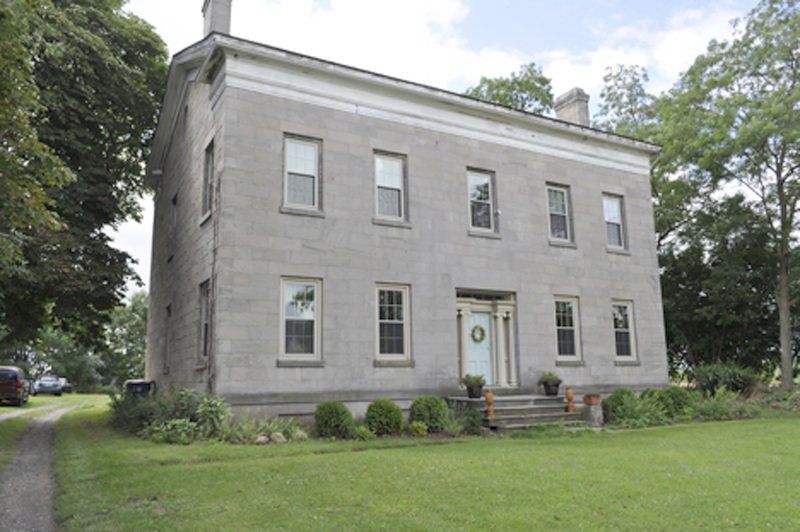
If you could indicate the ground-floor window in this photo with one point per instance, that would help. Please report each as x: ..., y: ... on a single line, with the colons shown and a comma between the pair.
x: 624, y: 340
x: 300, y: 309
x: 567, y: 328
x: 393, y: 320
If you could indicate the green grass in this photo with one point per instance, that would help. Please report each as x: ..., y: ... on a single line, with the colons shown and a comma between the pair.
x: 740, y: 474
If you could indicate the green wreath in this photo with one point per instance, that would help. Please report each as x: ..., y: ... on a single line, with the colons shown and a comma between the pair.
x: 478, y: 334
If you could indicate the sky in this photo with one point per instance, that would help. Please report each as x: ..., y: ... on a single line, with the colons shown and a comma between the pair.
x: 452, y: 43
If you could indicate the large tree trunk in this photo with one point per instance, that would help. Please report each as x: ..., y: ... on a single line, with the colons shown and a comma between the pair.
x: 784, y: 317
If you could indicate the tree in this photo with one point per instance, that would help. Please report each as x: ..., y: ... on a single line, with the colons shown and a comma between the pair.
x: 28, y: 167
x: 735, y: 117
x: 126, y: 341
x: 100, y: 73
x: 527, y: 90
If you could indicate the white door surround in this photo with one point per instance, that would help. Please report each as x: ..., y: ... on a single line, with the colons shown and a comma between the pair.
x: 500, y: 337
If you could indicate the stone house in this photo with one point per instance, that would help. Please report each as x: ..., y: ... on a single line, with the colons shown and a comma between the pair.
x: 324, y: 232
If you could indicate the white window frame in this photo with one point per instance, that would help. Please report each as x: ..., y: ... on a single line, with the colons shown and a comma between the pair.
x: 631, y: 330
x: 576, y: 319
x: 205, y: 320
x: 492, y: 206
x: 208, y: 179
x: 622, y: 229
x: 567, y: 212
x: 317, y: 354
x: 405, y: 289
x: 402, y: 158
x: 317, y: 144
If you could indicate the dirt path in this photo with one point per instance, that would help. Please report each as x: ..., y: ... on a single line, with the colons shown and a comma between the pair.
x: 28, y: 486
x: 24, y: 411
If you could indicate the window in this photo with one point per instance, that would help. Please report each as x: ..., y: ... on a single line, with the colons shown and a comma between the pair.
x: 301, y: 186
x: 558, y: 207
x: 208, y: 179
x: 205, y: 320
x: 300, y: 306
x: 393, y: 330
x: 613, y: 214
x: 624, y: 339
x: 481, y: 201
x: 568, y: 344
x: 390, y: 186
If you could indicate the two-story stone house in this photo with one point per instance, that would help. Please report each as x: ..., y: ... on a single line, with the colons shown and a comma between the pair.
x: 324, y: 232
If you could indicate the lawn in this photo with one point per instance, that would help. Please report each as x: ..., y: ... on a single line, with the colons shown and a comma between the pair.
x: 740, y: 474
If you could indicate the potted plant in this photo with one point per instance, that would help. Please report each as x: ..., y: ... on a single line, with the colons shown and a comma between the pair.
x: 551, y: 382
x: 474, y: 385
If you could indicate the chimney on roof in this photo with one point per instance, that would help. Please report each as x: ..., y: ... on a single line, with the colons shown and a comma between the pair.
x: 573, y: 106
x: 216, y: 16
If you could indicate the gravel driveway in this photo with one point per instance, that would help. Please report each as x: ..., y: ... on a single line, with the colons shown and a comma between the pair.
x: 21, y: 412
x: 28, y: 485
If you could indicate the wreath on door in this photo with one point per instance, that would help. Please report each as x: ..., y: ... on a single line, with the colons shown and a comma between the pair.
x: 478, y: 334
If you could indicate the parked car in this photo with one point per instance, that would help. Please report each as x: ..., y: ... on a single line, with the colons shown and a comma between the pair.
x: 66, y: 386
x: 13, y: 386
x: 47, y: 384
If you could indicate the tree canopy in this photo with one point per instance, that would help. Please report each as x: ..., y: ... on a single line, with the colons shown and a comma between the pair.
x: 527, y: 90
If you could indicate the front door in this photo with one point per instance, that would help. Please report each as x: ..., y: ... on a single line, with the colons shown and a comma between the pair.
x: 479, y: 346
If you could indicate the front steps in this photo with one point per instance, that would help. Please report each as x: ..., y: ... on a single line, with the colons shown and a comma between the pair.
x: 523, y: 411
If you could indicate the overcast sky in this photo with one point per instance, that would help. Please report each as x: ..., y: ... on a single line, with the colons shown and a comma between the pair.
x: 452, y: 43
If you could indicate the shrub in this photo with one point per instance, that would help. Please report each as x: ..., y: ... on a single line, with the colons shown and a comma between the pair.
x: 472, y: 421
x: 453, y: 424
x: 418, y: 429
x: 712, y: 377
x: 363, y: 433
x: 212, y: 412
x: 131, y: 413
x: 430, y: 410
x: 613, y: 401
x: 384, y: 417
x: 633, y: 412
x: 722, y: 406
x: 677, y: 402
x: 240, y: 431
x: 288, y: 426
x: 182, y: 431
x: 333, y: 419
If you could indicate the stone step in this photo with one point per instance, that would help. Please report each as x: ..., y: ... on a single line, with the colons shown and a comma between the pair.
x: 529, y: 409
x: 532, y: 419
x: 519, y: 426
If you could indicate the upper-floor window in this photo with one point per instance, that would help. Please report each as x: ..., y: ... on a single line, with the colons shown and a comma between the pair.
x: 481, y: 200
x: 390, y: 186
x: 614, y: 214
x: 208, y: 179
x: 624, y: 333
x: 558, y: 208
x: 393, y: 319
x: 205, y: 319
x: 568, y: 346
x: 302, y: 176
x: 300, y: 308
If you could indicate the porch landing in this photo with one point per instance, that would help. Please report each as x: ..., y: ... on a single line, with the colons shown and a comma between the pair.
x: 519, y: 411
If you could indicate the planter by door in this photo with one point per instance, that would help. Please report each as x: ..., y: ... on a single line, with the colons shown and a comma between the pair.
x: 550, y: 389
x: 475, y: 392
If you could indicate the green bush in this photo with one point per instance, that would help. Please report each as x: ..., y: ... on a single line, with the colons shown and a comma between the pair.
x: 722, y: 406
x: 613, y: 401
x: 418, y: 429
x: 677, y: 402
x: 242, y: 431
x: 362, y: 433
x: 453, y: 424
x: 182, y: 431
x: 712, y: 377
x: 473, y: 421
x: 131, y: 413
x: 384, y: 417
x: 212, y: 413
x: 333, y: 419
x: 430, y: 410
x: 633, y: 412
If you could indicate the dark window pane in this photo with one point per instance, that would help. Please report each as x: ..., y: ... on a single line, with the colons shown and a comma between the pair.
x: 623, y: 340
x: 391, y: 341
x: 614, y: 234
x: 300, y: 337
x: 389, y: 202
x: 564, y: 317
x: 620, y: 317
x: 566, y: 342
x: 481, y: 215
x: 558, y: 226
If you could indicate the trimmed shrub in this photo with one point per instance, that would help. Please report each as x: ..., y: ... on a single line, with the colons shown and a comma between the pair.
x: 333, y: 419
x: 384, y: 417
x: 430, y: 410
x: 633, y: 412
x: 722, y: 406
x: 418, y: 429
x: 613, y: 402
x: 735, y: 378
x: 362, y: 433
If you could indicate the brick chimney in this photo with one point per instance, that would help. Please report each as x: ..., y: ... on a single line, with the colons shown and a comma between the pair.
x: 573, y: 106
x: 216, y: 16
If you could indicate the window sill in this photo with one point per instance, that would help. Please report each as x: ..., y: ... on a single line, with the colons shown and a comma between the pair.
x: 618, y: 251
x: 204, y: 218
x: 300, y: 363
x: 563, y: 244
x: 299, y: 211
x: 483, y: 234
x: 388, y: 363
x: 403, y: 224
x: 627, y: 363
x: 570, y: 363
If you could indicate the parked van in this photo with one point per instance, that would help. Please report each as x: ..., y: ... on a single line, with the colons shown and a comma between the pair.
x: 13, y: 387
